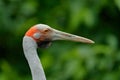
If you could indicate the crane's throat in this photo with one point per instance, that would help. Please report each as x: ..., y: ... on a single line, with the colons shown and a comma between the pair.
x: 44, y: 44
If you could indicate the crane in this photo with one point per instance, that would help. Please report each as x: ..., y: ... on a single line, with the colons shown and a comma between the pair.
x: 41, y: 35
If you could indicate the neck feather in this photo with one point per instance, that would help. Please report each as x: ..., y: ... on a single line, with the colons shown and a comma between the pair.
x: 30, y: 47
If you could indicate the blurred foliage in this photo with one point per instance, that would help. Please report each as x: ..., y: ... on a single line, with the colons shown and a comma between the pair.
x: 95, y: 19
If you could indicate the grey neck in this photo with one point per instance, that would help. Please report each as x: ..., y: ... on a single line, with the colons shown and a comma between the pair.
x: 30, y: 47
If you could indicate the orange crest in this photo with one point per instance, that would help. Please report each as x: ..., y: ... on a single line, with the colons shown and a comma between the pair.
x: 31, y: 32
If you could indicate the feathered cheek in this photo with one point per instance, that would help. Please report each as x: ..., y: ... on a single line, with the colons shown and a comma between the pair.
x: 39, y: 38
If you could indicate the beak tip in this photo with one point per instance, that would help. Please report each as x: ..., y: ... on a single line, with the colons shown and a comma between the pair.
x: 92, y: 42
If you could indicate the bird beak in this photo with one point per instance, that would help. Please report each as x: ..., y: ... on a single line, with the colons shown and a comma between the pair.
x: 59, y: 35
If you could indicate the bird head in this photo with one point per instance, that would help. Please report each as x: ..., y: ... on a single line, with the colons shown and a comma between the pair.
x: 44, y: 35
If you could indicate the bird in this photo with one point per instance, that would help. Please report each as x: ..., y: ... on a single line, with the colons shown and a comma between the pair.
x: 41, y: 35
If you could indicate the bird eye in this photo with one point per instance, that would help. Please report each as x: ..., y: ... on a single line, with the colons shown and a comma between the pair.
x: 46, y: 30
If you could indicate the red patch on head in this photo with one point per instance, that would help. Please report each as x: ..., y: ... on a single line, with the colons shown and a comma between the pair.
x: 31, y: 32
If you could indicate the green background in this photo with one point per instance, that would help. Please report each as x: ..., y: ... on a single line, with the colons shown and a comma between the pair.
x: 98, y: 20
